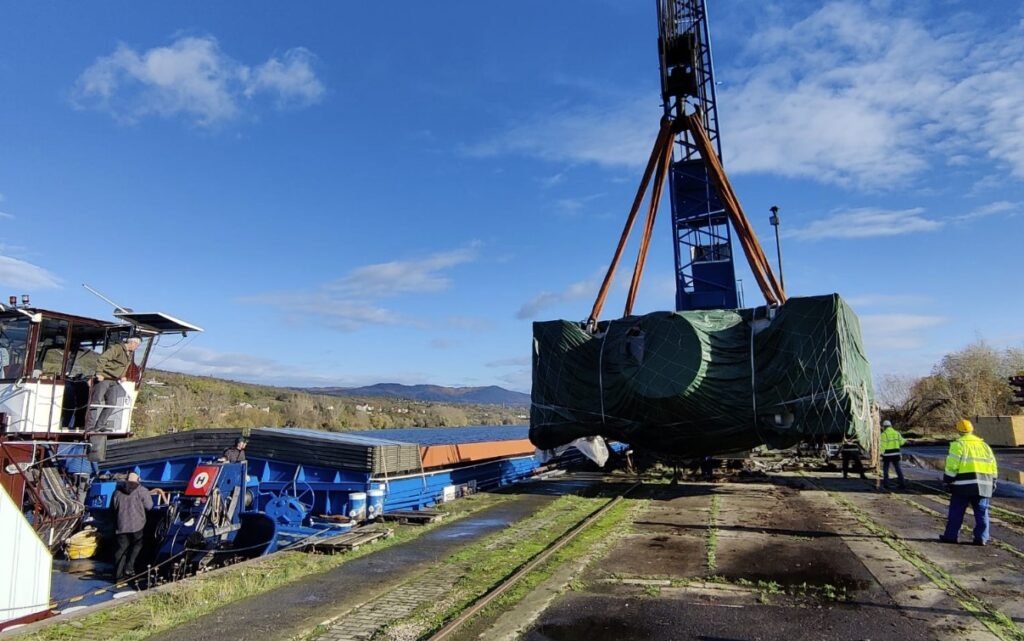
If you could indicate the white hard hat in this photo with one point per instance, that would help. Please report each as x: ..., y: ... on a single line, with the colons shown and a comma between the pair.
x: 886, y: 423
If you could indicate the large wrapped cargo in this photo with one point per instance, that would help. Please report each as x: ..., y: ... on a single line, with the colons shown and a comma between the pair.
x: 696, y: 383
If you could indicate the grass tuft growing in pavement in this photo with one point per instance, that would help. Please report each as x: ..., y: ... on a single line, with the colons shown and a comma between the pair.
x: 997, y: 622
x: 711, y: 543
x: 185, y: 601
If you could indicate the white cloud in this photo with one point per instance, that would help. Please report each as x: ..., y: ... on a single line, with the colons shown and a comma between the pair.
x: 202, y: 361
x: 867, y: 223
x: 576, y: 291
x: 896, y: 331
x: 849, y: 95
x: 290, y: 79
x: 192, y: 77
x: 616, y: 134
x: 403, y: 276
x: 353, y: 301
x: 25, y: 276
x: 860, y: 97
x: 992, y: 209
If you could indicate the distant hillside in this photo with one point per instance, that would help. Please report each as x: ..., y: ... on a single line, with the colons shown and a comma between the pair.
x: 490, y: 395
x: 171, y: 401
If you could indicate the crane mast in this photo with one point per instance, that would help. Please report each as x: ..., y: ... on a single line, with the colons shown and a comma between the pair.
x: 705, y: 272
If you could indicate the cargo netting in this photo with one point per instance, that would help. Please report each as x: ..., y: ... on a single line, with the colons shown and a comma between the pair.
x: 697, y: 383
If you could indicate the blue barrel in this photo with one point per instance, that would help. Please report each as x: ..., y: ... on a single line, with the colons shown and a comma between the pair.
x: 374, y: 504
x: 357, y: 506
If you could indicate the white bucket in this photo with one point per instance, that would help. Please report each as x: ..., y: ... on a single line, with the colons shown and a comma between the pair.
x: 357, y: 506
x: 374, y: 504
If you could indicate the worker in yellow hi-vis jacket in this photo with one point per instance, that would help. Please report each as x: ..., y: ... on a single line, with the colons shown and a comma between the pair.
x: 891, y: 441
x: 971, y: 476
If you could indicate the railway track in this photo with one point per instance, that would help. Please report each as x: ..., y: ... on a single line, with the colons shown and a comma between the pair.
x: 538, y: 560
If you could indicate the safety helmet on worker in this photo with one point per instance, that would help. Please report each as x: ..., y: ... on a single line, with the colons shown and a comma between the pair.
x: 886, y: 423
x: 964, y: 426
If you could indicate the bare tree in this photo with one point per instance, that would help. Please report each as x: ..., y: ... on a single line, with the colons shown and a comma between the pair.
x: 907, y: 401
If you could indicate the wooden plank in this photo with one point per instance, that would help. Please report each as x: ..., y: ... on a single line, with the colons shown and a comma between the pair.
x: 1005, y: 431
x: 415, y: 517
x: 348, y: 541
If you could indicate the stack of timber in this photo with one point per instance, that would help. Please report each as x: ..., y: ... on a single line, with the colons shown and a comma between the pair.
x: 293, y: 445
x: 414, y: 517
x: 699, y: 383
x: 1002, y: 431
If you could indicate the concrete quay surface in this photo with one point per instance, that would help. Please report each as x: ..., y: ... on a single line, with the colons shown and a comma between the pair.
x: 792, y: 555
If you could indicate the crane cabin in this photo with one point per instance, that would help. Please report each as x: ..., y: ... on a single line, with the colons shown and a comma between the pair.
x: 48, y: 362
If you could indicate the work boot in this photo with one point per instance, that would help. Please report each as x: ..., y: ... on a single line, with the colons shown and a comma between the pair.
x: 978, y: 542
x: 943, y: 539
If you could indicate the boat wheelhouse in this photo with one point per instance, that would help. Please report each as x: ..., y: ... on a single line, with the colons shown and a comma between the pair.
x: 48, y: 360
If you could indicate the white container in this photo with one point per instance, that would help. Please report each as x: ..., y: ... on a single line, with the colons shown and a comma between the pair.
x: 357, y: 506
x: 374, y: 504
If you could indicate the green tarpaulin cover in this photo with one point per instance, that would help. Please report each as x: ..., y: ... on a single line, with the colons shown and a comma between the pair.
x: 704, y: 382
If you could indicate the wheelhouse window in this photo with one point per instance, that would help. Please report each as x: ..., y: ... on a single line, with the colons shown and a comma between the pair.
x: 86, y: 346
x: 14, y: 332
x: 52, y: 344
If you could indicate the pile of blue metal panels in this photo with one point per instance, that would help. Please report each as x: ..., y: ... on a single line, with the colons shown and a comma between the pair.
x: 323, y: 468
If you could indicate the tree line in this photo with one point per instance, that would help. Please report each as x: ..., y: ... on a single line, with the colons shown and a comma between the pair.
x: 970, y: 382
x: 173, y: 402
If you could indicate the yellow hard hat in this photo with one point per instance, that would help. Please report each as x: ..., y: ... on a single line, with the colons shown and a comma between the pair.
x: 963, y: 425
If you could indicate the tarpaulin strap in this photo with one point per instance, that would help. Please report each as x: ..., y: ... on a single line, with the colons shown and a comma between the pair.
x: 661, y: 143
x: 600, y: 372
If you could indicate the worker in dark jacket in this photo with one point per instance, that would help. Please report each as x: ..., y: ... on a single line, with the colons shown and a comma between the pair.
x: 891, y: 441
x: 111, y: 369
x: 851, y: 453
x: 971, y: 472
x: 130, y: 503
x: 236, y: 454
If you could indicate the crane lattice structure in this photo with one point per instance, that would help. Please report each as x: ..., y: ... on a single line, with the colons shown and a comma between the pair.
x: 687, y: 153
x: 705, y: 273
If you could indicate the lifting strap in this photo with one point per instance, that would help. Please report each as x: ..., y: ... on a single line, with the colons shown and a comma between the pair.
x: 770, y: 287
x: 657, y: 167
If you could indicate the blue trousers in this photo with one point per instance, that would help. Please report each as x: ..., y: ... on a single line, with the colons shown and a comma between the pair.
x: 895, y: 462
x: 957, y: 507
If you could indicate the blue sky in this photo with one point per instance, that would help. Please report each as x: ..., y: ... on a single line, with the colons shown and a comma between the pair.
x: 349, y: 193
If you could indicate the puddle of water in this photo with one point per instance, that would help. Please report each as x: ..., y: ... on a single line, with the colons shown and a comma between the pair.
x: 467, y: 528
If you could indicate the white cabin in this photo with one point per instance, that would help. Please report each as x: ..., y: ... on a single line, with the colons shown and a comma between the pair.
x: 48, y: 360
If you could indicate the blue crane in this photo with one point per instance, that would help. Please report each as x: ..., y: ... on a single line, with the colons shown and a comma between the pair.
x: 687, y: 154
x: 705, y: 273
